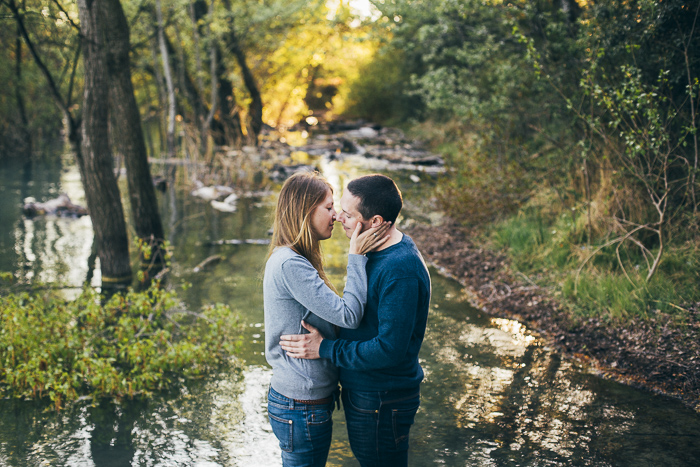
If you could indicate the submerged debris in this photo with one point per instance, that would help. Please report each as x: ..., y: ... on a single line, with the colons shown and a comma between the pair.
x: 211, y: 192
x: 229, y: 204
x: 61, y: 206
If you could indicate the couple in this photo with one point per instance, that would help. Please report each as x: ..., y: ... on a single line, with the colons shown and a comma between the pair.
x: 369, y: 338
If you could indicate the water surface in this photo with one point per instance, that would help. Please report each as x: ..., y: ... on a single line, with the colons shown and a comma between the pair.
x: 494, y: 393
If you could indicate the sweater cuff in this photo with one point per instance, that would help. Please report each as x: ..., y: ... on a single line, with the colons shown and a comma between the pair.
x: 360, y: 259
x: 326, y: 349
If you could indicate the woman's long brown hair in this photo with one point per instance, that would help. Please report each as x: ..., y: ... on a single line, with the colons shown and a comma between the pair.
x: 300, y: 195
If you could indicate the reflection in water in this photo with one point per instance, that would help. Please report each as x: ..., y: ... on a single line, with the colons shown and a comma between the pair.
x: 494, y: 393
x: 219, y: 422
x: 246, y: 435
x: 50, y: 249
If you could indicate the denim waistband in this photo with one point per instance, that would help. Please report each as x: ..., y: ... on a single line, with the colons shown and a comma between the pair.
x: 284, y: 401
x: 393, y: 395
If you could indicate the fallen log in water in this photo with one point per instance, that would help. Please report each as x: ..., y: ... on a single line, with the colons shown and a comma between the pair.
x: 207, y: 262
x: 249, y: 241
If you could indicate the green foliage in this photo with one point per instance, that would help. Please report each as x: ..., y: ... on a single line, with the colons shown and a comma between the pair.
x: 27, y: 108
x: 570, y: 131
x: 381, y: 92
x: 132, y: 345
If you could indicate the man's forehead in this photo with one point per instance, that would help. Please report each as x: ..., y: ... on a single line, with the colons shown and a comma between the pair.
x: 348, y: 202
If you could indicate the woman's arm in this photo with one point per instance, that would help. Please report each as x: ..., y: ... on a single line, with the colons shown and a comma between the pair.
x: 306, y: 287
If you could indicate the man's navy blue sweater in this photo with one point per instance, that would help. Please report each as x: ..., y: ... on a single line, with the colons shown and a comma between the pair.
x: 382, y: 354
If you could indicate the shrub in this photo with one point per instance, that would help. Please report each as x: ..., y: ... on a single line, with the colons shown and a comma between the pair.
x: 132, y: 345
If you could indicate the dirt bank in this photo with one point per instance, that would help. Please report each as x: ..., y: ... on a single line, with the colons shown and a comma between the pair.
x: 655, y: 354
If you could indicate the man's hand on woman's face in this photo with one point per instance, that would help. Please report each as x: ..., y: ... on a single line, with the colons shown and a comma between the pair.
x: 302, y: 345
x: 374, y: 237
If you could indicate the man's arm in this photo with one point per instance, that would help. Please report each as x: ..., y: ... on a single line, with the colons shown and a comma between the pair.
x: 397, y: 312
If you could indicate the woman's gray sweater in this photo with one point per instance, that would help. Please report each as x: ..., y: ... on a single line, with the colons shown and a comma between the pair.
x: 292, y: 291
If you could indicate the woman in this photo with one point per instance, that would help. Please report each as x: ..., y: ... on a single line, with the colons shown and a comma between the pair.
x: 295, y: 288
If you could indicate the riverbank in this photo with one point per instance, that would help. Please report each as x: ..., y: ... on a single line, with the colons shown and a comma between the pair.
x: 655, y: 353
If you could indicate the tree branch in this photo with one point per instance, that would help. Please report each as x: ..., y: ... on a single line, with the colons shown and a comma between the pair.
x: 77, y: 28
x: 42, y: 67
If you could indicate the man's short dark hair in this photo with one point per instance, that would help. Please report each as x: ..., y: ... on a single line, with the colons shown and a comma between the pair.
x: 378, y: 195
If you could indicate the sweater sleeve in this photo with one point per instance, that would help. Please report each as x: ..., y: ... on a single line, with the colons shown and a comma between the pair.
x: 306, y: 287
x: 398, y: 305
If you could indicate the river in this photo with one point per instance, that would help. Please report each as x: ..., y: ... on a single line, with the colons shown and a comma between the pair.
x: 495, y: 393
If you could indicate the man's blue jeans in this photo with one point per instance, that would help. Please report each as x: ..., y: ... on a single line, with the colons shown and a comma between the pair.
x: 378, y: 425
x: 304, y: 431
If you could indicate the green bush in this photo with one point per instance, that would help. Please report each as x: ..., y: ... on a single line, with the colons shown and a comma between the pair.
x: 132, y: 345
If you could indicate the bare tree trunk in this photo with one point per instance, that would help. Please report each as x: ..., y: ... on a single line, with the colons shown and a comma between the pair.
x: 223, y: 118
x: 162, y: 97
x: 229, y: 122
x: 26, y: 137
x: 102, y: 193
x: 214, y: 90
x: 197, y: 52
x: 167, y: 71
x: 214, y: 78
x: 129, y: 134
x: 256, y: 105
x: 693, y: 124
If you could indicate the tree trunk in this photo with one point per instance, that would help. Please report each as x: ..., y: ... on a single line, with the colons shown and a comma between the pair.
x: 229, y: 121
x: 224, y: 118
x: 162, y: 98
x: 168, y: 80
x: 90, y: 143
x: 214, y: 78
x: 198, y: 110
x: 24, y: 121
x: 129, y: 134
x: 256, y: 106
x: 96, y: 165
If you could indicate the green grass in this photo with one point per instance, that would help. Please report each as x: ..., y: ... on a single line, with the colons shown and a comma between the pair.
x: 549, y: 248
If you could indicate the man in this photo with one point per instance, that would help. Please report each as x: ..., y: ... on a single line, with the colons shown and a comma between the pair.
x: 379, y: 370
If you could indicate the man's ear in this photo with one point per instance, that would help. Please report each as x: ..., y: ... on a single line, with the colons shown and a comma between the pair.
x: 376, y: 221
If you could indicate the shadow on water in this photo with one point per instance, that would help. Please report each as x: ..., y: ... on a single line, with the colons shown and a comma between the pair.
x: 494, y: 394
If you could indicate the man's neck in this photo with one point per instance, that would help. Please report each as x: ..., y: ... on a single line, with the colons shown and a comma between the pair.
x: 395, y: 237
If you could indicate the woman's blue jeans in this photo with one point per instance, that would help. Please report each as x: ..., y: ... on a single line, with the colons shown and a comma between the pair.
x: 304, y: 431
x: 379, y: 423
